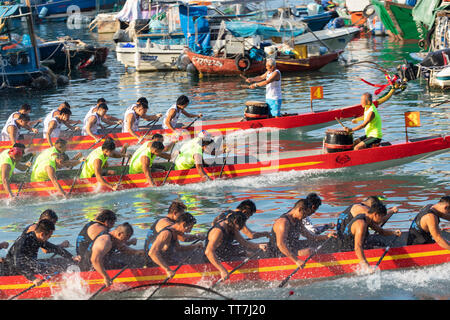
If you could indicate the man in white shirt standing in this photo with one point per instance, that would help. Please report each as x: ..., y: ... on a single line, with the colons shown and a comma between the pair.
x: 271, y: 79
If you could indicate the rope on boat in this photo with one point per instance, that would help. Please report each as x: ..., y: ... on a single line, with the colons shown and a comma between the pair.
x: 188, y: 285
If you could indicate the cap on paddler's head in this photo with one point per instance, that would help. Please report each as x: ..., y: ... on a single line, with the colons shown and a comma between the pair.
x: 15, y: 151
x: 205, y: 135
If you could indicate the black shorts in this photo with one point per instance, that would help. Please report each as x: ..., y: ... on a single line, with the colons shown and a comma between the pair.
x: 369, y: 141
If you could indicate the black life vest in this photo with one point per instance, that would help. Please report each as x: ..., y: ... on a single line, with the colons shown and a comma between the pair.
x: 224, y: 249
x: 292, y: 236
x: 416, y: 234
x: 347, y: 240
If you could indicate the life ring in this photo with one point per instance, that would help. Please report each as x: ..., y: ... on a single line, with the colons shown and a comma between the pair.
x: 243, y: 62
x: 367, y: 13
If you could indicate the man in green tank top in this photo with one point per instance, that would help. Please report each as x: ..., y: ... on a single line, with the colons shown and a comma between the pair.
x: 9, y: 160
x: 97, y: 160
x: 44, y: 168
x: 142, y: 159
x: 371, y: 124
x: 191, y: 154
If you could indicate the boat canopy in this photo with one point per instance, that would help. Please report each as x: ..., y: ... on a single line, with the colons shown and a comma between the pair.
x: 7, y: 11
x: 249, y: 29
x: 195, y: 28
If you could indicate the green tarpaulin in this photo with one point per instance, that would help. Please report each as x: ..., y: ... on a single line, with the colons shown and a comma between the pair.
x: 384, y: 16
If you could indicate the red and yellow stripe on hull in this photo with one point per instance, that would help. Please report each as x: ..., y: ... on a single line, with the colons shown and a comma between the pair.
x: 270, y: 269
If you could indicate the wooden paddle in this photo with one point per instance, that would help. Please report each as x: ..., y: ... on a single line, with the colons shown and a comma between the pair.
x: 168, y: 172
x: 123, y: 173
x: 148, y: 131
x: 223, y: 164
x: 236, y: 268
x: 283, y: 283
x: 26, y: 172
x: 33, y: 286
x: 386, y: 251
x: 104, y: 286
x: 31, y: 160
x: 190, y: 124
x: 176, y: 269
x: 103, y: 137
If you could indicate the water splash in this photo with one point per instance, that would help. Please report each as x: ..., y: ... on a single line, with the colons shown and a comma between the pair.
x: 72, y: 286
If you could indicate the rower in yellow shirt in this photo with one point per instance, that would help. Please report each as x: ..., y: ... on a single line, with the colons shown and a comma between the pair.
x: 143, y: 157
x: 97, y: 160
x: 45, y: 167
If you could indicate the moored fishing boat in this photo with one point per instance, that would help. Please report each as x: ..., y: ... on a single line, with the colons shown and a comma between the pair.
x: 308, y: 64
x: 384, y: 156
x: 303, y: 122
x: 269, y: 270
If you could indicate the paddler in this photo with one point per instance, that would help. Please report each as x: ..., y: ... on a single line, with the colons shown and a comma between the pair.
x: 102, y: 223
x: 371, y: 124
x: 22, y: 256
x: 11, y: 130
x: 314, y: 203
x: 50, y: 215
x: 24, y: 109
x: 354, y: 234
x: 271, y: 79
x: 134, y: 113
x: 9, y: 160
x: 364, y: 207
x: 190, y: 154
x: 109, y: 251
x: 93, y: 120
x: 52, y: 125
x: 166, y: 250
x: 219, y: 242
x: 44, y: 169
x: 56, y: 111
x: 425, y: 226
x: 248, y: 208
x: 143, y: 157
x: 286, y: 231
x: 97, y: 160
x: 176, y: 209
x: 171, y: 117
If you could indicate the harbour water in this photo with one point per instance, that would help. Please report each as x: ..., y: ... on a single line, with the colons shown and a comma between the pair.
x: 409, y: 186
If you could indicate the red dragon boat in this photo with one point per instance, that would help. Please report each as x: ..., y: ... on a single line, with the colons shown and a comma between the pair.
x: 269, y: 271
x: 384, y: 156
x: 303, y: 122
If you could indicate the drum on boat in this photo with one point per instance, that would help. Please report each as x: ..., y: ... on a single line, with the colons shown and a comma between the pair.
x: 338, y: 140
x: 256, y: 110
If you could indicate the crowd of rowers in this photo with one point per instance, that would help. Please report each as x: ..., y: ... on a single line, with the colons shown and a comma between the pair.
x: 101, y: 245
x: 95, y: 164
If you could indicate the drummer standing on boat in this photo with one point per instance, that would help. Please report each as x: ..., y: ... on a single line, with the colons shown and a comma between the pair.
x: 271, y: 79
x: 371, y: 124
x: 93, y: 120
x: 171, y: 117
x: 134, y: 113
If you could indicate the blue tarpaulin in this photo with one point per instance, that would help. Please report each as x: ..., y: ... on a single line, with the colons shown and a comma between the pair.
x: 249, y: 29
x: 196, y: 28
